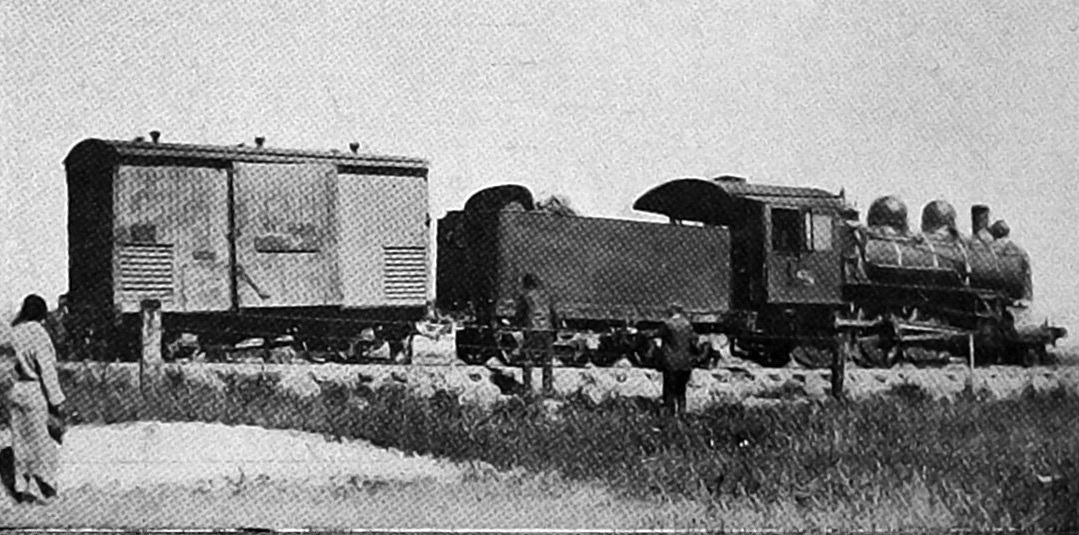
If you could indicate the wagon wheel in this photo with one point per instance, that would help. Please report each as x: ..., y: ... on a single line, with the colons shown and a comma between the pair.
x: 402, y: 350
x: 471, y: 348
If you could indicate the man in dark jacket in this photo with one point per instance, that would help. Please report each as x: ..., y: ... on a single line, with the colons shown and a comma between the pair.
x: 535, y: 314
x: 678, y: 355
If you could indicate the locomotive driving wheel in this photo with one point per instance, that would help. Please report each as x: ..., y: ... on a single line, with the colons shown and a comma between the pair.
x: 875, y: 351
x: 814, y: 356
x: 924, y: 356
x: 610, y: 351
x: 775, y: 355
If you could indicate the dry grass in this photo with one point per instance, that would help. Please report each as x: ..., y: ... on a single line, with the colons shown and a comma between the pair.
x: 516, y: 501
x: 901, y: 461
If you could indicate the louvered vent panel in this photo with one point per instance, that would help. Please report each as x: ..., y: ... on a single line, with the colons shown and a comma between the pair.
x: 406, y: 273
x: 146, y: 271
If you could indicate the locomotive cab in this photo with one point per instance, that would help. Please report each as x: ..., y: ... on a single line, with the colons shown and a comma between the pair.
x: 787, y: 241
x: 787, y: 258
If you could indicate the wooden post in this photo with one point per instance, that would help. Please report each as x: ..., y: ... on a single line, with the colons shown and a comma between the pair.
x: 970, y: 348
x: 151, y: 360
x: 839, y: 363
x: 151, y: 332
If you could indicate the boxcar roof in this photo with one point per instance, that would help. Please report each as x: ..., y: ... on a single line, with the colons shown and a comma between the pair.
x: 117, y: 149
x: 715, y: 201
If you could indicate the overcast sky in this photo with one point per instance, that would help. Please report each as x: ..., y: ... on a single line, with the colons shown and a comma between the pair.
x: 970, y: 102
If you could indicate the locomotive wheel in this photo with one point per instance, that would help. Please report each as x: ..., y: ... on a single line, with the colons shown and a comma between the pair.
x: 1034, y: 356
x: 605, y: 357
x: 575, y: 354
x: 776, y: 356
x: 814, y: 357
x: 921, y: 356
x: 869, y: 353
x: 646, y: 356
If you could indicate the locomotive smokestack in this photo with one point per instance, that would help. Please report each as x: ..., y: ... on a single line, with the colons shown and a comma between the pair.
x: 155, y: 135
x: 979, y: 219
x: 259, y: 141
x: 354, y: 147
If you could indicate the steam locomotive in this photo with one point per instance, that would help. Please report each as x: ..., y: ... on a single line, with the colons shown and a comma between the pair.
x: 327, y: 251
x: 783, y: 272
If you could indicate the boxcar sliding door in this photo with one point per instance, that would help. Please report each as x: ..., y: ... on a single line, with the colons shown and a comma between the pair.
x: 286, y: 245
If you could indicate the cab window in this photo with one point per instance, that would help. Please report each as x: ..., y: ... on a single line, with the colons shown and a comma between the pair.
x: 797, y: 230
x: 822, y: 231
x: 788, y: 230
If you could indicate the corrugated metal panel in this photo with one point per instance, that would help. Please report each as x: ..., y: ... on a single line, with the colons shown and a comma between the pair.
x: 406, y: 272
x: 249, y: 154
x: 146, y: 271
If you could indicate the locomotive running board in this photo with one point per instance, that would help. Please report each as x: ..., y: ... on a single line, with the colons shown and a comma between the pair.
x: 929, y: 331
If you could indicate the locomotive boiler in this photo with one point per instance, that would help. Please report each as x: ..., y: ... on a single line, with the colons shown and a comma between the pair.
x: 937, y: 294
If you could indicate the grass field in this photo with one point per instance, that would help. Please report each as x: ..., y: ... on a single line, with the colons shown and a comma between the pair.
x: 899, y: 461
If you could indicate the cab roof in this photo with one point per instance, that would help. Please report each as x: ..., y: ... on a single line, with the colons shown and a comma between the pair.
x: 721, y: 200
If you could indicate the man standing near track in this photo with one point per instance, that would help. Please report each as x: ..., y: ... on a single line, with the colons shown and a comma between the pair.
x: 678, y: 353
x: 535, y: 314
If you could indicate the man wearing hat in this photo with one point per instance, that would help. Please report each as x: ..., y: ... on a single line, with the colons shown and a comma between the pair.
x: 535, y: 314
x: 677, y: 356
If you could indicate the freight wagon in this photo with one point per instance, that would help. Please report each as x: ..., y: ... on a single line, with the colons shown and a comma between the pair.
x: 245, y: 242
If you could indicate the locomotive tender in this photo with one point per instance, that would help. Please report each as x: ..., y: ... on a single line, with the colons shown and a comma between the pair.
x: 319, y: 250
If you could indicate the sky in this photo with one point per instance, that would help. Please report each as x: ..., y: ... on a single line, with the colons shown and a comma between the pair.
x: 971, y: 102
